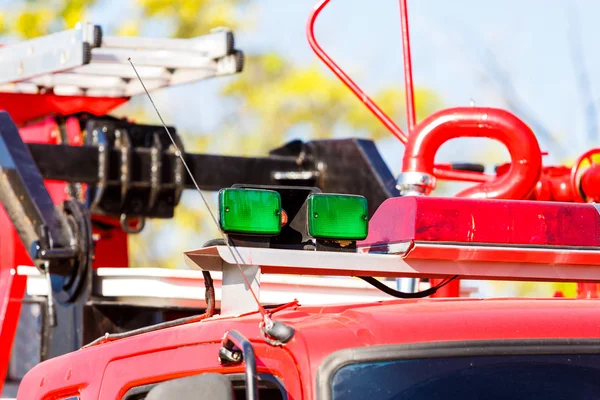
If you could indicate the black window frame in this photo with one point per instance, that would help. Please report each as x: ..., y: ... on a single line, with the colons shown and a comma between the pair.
x: 341, y: 358
x: 265, y: 381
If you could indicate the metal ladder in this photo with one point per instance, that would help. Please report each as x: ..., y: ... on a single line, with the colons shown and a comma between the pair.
x: 84, y: 62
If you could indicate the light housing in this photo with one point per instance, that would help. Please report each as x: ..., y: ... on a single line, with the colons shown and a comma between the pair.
x: 337, y: 216
x: 250, y: 211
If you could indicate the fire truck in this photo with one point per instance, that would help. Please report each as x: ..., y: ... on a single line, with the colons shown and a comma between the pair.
x: 331, y: 278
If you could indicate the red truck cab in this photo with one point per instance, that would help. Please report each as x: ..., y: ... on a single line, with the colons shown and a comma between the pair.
x: 443, y: 348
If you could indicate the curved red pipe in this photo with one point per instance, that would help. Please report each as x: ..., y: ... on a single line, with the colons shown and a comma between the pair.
x: 434, y: 131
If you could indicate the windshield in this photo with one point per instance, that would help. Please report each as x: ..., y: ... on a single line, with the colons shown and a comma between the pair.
x: 529, y: 377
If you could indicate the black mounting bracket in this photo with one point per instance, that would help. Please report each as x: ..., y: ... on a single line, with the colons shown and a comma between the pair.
x: 59, y: 238
x: 118, y: 190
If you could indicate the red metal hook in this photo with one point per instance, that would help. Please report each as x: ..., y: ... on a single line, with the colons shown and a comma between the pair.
x: 440, y: 173
x: 370, y: 104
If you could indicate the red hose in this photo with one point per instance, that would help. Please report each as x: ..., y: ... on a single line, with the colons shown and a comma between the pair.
x: 434, y: 131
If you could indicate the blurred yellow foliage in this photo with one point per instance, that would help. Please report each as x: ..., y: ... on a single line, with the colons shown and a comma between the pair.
x: 192, y: 17
x: 281, y: 97
x: 129, y: 28
x: 74, y: 11
x: 31, y: 23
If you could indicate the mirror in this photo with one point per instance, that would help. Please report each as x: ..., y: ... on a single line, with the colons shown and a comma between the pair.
x: 197, y: 387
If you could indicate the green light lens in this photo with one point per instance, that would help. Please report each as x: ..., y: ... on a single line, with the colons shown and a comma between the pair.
x: 250, y: 211
x: 333, y: 216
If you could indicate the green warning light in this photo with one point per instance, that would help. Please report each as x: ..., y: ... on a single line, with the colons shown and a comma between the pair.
x: 250, y: 211
x: 336, y: 216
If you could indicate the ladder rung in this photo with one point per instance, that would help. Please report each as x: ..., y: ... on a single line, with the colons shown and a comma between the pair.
x: 123, y: 71
x: 152, y: 58
x: 214, y: 45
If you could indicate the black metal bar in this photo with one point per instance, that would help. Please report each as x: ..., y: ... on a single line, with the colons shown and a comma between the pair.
x: 22, y: 192
x: 349, y: 166
x: 471, y: 167
x: 234, y: 338
x: 212, y: 172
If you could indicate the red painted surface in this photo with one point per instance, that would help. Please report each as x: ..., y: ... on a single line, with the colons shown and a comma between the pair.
x: 435, y: 219
x: 106, y: 371
x: 12, y: 289
x: 587, y: 290
x: 554, y: 185
x: 576, y: 169
x: 590, y: 183
x: 451, y: 289
x: 28, y: 107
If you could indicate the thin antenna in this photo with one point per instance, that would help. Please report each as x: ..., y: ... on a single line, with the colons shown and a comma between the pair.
x: 262, y: 310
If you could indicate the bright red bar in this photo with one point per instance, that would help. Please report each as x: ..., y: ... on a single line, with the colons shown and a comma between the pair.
x: 502, y: 222
x: 24, y: 107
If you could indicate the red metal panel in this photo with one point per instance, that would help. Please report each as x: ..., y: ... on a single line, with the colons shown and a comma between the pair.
x: 451, y: 289
x: 12, y: 289
x: 27, y: 107
x: 434, y: 219
x: 319, y: 332
x: 106, y: 371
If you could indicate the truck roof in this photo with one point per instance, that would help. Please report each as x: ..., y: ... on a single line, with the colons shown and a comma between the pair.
x: 321, y: 331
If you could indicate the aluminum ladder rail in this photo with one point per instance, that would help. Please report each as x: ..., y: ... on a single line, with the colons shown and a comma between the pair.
x: 83, y: 62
